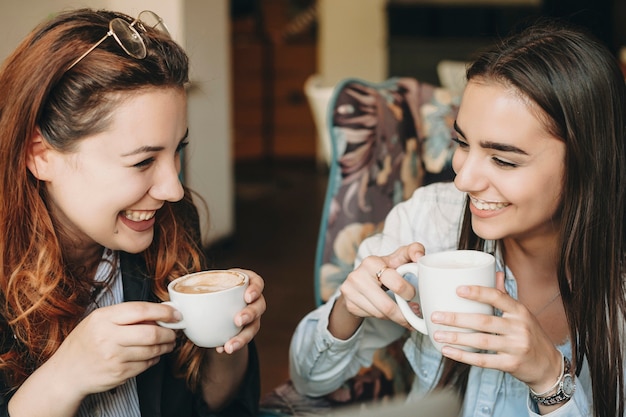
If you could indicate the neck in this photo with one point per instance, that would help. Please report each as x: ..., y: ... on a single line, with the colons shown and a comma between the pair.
x: 83, y: 260
x: 531, y: 264
x: 81, y: 254
x: 538, y: 287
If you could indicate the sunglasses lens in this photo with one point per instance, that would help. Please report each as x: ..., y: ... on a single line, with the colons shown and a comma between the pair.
x: 128, y: 38
x: 152, y: 20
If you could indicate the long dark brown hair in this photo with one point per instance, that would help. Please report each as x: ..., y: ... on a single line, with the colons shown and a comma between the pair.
x: 41, y: 299
x: 578, y: 85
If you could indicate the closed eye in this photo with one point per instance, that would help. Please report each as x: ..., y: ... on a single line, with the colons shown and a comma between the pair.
x: 499, y: 162
x: 182, y: 145
x: 149, y: 161
x: 145, y: 163
x: 460, y: 142
x: 502, y: 163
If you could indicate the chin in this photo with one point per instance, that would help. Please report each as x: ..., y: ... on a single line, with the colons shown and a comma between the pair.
x: 136, y: 246
x: 487, y: 233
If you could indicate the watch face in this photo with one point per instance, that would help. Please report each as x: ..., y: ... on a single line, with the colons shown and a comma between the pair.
x: 568, y: 385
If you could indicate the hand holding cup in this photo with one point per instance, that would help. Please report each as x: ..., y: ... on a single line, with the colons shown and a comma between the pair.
x: 438, y: 275
x: 208, y: 302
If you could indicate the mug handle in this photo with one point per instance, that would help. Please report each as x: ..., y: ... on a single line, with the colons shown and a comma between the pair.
x: 416, y: 322
x: 178, y: 325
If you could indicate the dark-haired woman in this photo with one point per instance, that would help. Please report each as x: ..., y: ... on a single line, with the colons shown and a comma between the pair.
x: 541, y: 183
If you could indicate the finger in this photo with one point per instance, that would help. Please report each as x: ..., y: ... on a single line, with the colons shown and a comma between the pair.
x: 480, y: 359
x: 134, y: 312
x: 502, y: 361
x: 356, y: 302
x: 252, y: 312
x: 368, y: 276
x: 255, y: 287
x: 486, y: 295
x: 416, y: 308
x: 243, y: 338
x: 405, y: 254
x: 139, y: 353
x: 396, y: 283
x: 377, y: 304
x: 471, y: 321
x: 416, y: 250
x: 145, y: 335
x: 473, y: 339
x: 363, y: 294
x: 380, y: 274
x: 500, y: 282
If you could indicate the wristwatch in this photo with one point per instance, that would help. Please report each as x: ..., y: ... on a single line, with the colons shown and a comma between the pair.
x: 565, y: 388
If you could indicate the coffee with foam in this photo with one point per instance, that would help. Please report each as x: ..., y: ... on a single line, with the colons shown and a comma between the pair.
x: 208, y: 301
x: 209, y: 282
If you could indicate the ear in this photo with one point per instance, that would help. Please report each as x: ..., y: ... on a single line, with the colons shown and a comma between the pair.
x: 38, y: 157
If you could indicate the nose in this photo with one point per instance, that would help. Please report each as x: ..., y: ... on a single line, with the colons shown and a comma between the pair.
x: 469, y: 169
x: 167, y: 185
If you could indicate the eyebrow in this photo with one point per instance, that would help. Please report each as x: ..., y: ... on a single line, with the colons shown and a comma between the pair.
x: 503, y: 147
x: 146, y: 149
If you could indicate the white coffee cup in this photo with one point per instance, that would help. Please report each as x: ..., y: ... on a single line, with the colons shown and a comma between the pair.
x: 438, y: 276
x: 208, y: 302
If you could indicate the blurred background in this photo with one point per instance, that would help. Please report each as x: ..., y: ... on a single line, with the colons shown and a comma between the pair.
x: 262, y: 71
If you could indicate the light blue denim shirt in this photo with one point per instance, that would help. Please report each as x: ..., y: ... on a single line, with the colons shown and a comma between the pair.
x: 320, y: 363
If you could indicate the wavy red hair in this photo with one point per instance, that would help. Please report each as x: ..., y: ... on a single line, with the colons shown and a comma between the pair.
x: 41, y: 299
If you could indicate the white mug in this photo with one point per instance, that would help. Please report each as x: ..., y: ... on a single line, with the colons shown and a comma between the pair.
x: 438, y: 276
x: 208, y: 302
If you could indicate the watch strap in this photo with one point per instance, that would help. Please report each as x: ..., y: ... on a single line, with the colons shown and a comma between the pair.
x: 565, y: 388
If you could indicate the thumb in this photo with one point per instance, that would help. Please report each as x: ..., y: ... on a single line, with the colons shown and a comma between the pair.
x: 416, y: 251
x: 405, y: 254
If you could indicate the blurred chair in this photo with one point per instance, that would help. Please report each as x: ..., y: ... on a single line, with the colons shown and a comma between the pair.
x: 387, y: 139
x: 452, y: 75
x: 318, y: 97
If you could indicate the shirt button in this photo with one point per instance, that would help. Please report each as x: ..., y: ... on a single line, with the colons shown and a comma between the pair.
x: 424, y: 372
x: 485, y: 410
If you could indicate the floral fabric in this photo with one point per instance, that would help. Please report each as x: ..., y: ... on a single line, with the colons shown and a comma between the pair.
x: 388, y: 139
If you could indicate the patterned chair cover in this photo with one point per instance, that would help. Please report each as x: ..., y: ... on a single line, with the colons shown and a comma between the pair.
x: 387, y: 139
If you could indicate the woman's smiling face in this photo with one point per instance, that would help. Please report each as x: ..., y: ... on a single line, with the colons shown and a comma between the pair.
x: 108, y: 190
x: 509, y: 164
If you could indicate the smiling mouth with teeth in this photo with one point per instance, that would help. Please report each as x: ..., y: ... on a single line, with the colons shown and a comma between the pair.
x: 138, y: 216
x: 486, y: 205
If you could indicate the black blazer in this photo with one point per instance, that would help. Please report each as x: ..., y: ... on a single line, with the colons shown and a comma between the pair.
x: 160, y: 393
